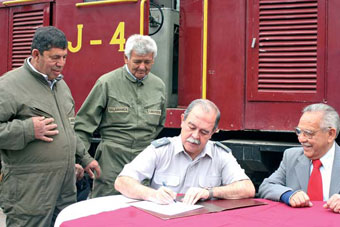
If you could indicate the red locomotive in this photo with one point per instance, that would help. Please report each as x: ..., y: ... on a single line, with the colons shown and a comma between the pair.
x: 260, y: 61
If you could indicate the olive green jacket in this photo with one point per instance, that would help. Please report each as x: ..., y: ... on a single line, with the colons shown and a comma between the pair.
x: 124, y: 110
x: 23, y: 95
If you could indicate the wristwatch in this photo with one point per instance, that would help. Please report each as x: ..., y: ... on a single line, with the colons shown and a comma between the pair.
x: 211, y: 193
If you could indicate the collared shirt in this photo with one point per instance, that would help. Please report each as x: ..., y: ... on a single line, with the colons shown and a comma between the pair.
x: 50, y: 82
x: 171, y: 165
x: 133, y: 77
x: 326, y: 170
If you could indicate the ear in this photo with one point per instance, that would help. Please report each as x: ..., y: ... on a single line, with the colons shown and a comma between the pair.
x: 35, y: 53
x: 182, y: 120
x: 126, y: 59
x: 35, y: 58
x: 331, y: 134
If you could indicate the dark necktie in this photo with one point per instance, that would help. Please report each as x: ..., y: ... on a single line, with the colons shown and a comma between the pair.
x: 314, y: 190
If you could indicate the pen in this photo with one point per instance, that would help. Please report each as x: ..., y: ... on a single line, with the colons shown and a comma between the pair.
x: 164, y: 184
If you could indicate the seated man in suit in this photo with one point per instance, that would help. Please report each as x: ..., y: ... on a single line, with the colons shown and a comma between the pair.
x: 310, y: 172
x: 189, y: 163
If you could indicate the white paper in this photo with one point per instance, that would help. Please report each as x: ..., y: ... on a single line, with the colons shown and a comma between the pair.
x: 169, y: 209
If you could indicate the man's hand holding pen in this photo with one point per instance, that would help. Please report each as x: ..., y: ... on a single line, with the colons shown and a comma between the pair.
x: 165, y: 195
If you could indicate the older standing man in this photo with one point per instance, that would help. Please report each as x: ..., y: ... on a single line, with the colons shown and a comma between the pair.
x: 37, y: 140
x: 310, y: 172
x: 189, y: 163
x: 127, y: 107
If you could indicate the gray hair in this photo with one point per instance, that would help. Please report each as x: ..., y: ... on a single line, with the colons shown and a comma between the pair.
x: 206, y: 106
x: 330, y: 117
x: 48, y: 37
x: 141, y: 44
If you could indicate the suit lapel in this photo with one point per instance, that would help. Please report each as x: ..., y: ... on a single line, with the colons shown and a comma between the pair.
x: 335, y: 178
x: 302, y: 170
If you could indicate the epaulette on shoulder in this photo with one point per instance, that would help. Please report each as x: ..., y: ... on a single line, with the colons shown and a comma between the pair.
x: 160, y: 142
x: 221, y: 145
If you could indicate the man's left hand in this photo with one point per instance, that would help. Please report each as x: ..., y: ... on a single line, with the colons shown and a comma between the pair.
x: 333, y: 203
x: 93, y: 166
x: 194, y: 194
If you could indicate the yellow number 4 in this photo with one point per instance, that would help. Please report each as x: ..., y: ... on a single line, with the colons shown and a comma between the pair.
x: 118, y: 36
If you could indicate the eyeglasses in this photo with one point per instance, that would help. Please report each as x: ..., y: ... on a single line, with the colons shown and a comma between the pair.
x: 306, y: 133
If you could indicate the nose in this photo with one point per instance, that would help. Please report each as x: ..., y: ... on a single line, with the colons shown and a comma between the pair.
x: 61, y: 62
x: 195, y: 134
x: 142, y: 65
x: 302, y: 138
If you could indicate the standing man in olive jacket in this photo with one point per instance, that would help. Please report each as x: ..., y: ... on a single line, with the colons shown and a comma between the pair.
x: 37, y: 139
x: 127, y: 107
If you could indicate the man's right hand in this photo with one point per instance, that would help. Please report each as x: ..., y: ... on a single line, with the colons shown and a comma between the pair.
x: 79, y: 172
x: 300, y: 199
x: 91, y: 167
x: 164, y: 195
x: 44, y: 128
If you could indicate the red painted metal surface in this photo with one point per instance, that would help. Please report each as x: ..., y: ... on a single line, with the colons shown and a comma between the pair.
x: 3, y: 40
x: 231, y: 27
x: 286, y: 59
x: 226, y: 60
x: 229, y: 56
x: 23, y: 21
x: 333, y: 54
x: 173, y: 117
x: 285, y: 70
x: 92, y: 31
x: 190, y: 52
x: 99, y: 23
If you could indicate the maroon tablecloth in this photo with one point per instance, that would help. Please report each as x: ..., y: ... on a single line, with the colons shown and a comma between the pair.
x: 274, y: 214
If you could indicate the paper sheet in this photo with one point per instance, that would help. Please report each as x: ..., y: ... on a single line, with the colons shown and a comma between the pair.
x: 169, y: 209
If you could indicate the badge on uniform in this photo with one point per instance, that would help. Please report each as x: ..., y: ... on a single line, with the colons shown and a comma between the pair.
x: 221, y: 145
x: 160, y: 142
x: 119, y: 109
x: 154, y: 112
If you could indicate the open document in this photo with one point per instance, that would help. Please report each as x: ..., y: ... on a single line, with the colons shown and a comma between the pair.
x: 169, y: 209
x: 179, y: 209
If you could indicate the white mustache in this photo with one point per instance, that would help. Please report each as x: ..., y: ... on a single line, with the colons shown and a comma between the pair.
x: 305, y: 144
x: 192, y: 140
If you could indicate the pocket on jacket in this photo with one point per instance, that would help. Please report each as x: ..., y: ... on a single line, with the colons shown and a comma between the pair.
x: 118, y: 111
x: 153, y: 112
x: 39, y: 112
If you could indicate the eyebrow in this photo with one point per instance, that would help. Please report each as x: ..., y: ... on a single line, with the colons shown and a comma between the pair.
x: 58, y: 56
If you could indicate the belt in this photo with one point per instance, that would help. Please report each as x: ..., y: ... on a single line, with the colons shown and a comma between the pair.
x: 127, y: 143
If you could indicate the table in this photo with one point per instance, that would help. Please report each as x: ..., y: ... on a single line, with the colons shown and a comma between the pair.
x: 116, y: 211
x: 92, y: 207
